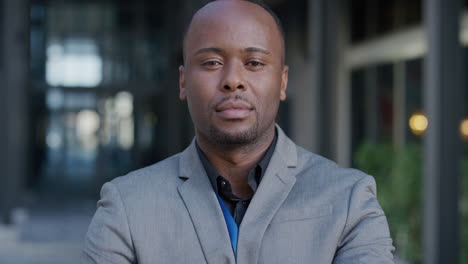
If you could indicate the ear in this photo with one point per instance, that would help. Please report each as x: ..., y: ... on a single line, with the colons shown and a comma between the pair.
x: 182, y: 90
x: 284, y: 82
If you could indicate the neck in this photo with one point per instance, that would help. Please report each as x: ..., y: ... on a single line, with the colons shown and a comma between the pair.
x: 234, y: 163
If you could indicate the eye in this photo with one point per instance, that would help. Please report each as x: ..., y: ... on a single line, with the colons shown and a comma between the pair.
x: 255, y: 64
x: 212, y: 63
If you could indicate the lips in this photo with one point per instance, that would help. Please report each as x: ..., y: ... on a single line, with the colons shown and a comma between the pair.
x: 233, y: 104
x: 234, y: 109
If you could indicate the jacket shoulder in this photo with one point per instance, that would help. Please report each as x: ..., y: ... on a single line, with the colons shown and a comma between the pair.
x: 159, y: 176
x: 319, y: 171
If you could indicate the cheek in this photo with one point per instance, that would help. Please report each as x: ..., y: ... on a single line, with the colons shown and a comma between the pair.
x: 267, y: 90
x: 267, y: 94
x: 196, y: 102
x: 200, y: 94
x: 199, y: 89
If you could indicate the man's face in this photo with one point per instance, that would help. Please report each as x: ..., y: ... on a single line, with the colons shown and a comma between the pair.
x: 234, y: 76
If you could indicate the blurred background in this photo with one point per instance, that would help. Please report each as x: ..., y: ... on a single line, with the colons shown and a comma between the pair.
x: 89, y: 92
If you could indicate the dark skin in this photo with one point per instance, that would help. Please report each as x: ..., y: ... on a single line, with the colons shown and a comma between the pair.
x: 233, y: 79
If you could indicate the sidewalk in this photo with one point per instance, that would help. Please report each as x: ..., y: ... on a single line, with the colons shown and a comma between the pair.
x: 50, y: 233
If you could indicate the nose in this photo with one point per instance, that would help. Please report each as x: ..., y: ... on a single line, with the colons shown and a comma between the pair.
x: 233, y: 77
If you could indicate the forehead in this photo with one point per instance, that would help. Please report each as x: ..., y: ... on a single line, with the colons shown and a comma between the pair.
x: 233, y: 23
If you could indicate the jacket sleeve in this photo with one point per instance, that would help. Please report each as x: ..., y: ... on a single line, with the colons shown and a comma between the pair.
x: 108, y: 239
x: 366, y: 236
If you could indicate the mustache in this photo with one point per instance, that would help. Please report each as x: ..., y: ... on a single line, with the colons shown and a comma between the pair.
x: 234, y: 98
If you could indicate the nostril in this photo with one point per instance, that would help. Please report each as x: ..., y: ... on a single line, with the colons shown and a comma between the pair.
x: 227, y: 87
x: 240, y: 86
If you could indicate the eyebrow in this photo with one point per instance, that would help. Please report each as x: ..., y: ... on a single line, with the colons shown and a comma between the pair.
x: 210, y: 49
x: 219, y: 50
x: 255, y: 49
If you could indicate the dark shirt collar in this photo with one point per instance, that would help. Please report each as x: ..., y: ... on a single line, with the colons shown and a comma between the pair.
x: 255, y: 174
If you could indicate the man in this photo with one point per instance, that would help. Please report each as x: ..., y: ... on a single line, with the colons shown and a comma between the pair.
x: 242, y: 192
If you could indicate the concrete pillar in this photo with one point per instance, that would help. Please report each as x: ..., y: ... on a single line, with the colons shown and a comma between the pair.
x: 323, y: 41
x: 342, y: 103
x: 399, y: 101
x: 371, y: 78
x: 14, y: 78
x: 175, y: 117
x: 314, y: 31
x: 3, y: 109
x: 443, y: 102
x: 299, y: 108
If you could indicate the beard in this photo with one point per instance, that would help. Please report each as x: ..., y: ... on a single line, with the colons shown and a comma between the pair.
x: 234, y: 138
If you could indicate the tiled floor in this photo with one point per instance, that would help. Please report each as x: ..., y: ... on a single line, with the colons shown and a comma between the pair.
x: 49, y: 233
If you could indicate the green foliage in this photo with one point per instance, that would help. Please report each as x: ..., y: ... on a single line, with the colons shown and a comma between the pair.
x: 464, y: 210
x: 398, y: 174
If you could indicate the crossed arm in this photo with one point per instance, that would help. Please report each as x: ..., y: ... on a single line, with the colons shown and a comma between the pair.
x: 108, y: 239
x: 366, y: 237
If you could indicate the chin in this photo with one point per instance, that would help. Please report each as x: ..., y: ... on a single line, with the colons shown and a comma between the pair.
x: 239, y: 135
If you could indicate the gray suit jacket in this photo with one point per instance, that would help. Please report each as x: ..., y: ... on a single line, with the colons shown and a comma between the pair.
x: 305, y: 210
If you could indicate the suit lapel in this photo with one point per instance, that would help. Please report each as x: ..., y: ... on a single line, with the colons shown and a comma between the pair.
x: 275, y: 186
x: 203, y: 207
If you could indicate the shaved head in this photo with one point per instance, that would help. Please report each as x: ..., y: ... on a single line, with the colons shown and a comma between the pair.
x: 207, y: 7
